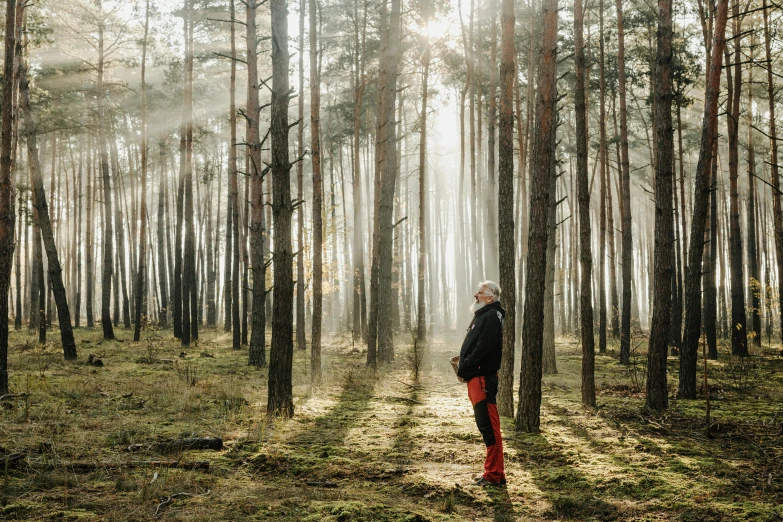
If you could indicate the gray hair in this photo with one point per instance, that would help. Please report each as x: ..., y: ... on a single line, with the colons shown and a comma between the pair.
x: 493, y: 288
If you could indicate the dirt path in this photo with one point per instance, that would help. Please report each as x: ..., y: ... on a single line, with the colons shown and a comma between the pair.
x: 397, y: 449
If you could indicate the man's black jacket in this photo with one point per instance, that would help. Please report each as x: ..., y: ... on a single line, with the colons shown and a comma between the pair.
x: 483, y: 344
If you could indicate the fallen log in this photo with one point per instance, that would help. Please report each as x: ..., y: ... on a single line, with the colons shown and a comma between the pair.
x: 16, y: 460
x: 325, y: 484
x: 12, y: 460
x: 87, y: 466
x: 171, y: 446
x: 12, y: 396
x: 170, y: 498
x: 196, y: 443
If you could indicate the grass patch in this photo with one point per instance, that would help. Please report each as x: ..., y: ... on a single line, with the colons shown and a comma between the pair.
x: 373, y: 446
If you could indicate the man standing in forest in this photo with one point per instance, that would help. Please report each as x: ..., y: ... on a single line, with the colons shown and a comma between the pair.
x: 479, y: 362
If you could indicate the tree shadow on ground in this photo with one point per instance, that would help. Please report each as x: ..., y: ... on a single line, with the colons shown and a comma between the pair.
x: 317, y: 450
x: 501, y: 505
x: 570, y: 492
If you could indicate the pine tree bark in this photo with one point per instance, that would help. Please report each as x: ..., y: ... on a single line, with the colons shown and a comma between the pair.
x: 301, y: 341
x: 585, y: 253
x: 754, y: 287
x: 491, y: 194
x: 549, y: 362
x: 506, y: 232
x: 231, y: 279
x: 318, y: 195
x: 388, y: 183
x: 142, y: 271
x: 245, y: 255
x: 380, y: 137
x: 208, y: 259
x: 379, y: 338
x: 189, y: 257
x: 710, y: 305
x: 257, y: 356
x: 180, y: 197
x: 421, y: 308
x: 108, y: 233
x: 360, y: 83
x: 692, y: 332
x: 19, y: 13
x: 657, y: 351
x: 529, y: 409
x: 6, y: 188
x: 186, y: 187
x: 119, y: 229
x: 280, y: 400
x: 739, y: 328
x: 602, y: 261
x: 88, y: 246
x: 777, y: 210
x: 161, y: 236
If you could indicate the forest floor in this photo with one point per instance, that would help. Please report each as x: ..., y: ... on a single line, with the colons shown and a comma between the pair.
x: 92, y: 441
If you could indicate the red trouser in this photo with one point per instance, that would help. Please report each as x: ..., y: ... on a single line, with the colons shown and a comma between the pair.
x: 482, y: 392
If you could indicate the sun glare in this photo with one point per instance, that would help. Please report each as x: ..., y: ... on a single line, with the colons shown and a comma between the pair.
x: 438, y: 27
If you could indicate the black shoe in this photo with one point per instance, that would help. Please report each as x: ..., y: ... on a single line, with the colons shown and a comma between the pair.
x: 481, y: 481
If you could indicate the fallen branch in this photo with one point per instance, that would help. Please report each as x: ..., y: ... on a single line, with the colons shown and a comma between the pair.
x: 86, y: 466
x: 168, y: 500
x: 404, y: 399
x: 12, y: 396
x: 412, y: 386
x: 14, y: 460
x: 325, y: 484
x: 197, y: 443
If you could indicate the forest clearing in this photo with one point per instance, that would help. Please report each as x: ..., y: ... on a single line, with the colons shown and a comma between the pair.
x: 364, y: 448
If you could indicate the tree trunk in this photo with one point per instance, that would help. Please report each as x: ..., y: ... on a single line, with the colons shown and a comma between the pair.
x: 245, y: 254
x: 421, y: 309
x: 142, y: 272
x: 189, y: 290
x: 359, y: 289
x: 602, y: 262
x: 710, y: 305
x: 162, y: 278
x: 491, y: 194
x: 549, y: 362
x: 6, y: 188
x: 506, y: 233
x: 380, y: 278
x: 280, y: 400
x: 108, y: 233
x: 657, y: 392
x: 119, y: 230
x: 388, y: 183
x: 258, y: 328
x: 739, y: 341
x: 182, y: 196
x: 208, y: 256
x: 692, y: 331
x: 301, y: 341
x: 318, y: 195
x: 754, y: 288
x: 585, y: 254
x: 380, y: 154
x: 777, y: 211
x: 529, y: 411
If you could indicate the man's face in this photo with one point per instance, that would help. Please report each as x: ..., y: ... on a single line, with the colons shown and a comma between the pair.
x: 483, y: 296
